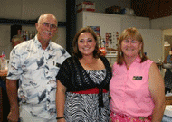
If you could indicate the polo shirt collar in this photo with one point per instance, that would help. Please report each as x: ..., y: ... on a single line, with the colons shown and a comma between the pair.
x: 39, y: 45
x: 136, y: 60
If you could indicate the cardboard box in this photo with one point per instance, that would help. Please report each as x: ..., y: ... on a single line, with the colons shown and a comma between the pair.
x: 113, y: 10
x: 86, y: 6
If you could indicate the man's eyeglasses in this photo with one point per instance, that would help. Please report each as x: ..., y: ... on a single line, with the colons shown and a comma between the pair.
x: 52, y: 26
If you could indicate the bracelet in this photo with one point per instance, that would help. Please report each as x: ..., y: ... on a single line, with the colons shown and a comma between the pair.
x: 59, y: 117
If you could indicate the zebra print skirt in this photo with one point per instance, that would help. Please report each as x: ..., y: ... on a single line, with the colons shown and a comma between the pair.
x: 84, y: 108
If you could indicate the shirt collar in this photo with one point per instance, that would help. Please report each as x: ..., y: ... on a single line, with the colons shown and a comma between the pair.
x: 136, y: 60
x: 39, y: 45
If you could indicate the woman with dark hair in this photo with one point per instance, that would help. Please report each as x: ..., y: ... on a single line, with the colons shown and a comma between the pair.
x: 83, y: 82
x: 136, y: 88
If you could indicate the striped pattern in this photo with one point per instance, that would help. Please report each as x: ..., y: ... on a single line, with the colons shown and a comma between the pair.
x: 97, y: 75
x: 84, y: 107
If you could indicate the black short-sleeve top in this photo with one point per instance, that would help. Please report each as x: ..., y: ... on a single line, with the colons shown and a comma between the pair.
x: 75, y: 78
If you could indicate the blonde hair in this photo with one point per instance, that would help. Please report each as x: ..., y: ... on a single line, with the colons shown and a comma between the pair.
x: 134, y: 34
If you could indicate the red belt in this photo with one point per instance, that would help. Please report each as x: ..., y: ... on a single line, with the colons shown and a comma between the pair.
x: 89, y: 91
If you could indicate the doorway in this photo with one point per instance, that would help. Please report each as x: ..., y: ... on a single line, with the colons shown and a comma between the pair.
x: 167, y: 39
x: 167, y: 36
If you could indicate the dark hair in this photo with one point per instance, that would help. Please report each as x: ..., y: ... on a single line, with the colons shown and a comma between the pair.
x: 134, y: 34
x: 76, y: 52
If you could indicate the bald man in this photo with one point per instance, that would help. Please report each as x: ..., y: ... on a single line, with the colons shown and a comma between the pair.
x: 35, y: 64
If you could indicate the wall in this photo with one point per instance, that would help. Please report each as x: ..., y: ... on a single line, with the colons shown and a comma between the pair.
x: 161, y: 23
x: 26, y: 10
x: 165, y: 24
x: 5, y: 44
x: 168, y: 32
x: 134, y: 21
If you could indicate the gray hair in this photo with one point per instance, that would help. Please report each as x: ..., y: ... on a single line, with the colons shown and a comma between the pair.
x: 43, y: 15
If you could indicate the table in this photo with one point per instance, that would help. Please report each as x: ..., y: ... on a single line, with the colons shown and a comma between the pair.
x: 167, y: 102
x: 3, y: 74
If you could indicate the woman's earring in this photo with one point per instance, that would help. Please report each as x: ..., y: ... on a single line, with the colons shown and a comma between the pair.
x: 140, y: 53
x: 120, y: 53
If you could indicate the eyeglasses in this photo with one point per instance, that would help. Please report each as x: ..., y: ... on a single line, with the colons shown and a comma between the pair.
x: 52, y: 26
x: 132, y: 41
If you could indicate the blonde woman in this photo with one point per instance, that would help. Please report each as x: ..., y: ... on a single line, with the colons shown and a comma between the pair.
x: 136, y: 88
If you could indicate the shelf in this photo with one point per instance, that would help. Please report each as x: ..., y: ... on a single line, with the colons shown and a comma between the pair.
x: 25, y: 22
x: 110, y: 56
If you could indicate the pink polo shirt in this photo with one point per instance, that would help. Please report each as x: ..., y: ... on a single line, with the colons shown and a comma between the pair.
x: 129, y: 89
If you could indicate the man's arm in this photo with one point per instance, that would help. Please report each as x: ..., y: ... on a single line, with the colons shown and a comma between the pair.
x: 11, y: 87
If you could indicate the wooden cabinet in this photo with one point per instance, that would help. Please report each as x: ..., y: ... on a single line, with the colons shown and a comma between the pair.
x: 152, y: 8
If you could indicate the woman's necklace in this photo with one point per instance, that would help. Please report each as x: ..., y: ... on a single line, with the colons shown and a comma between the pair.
x: 90, y: 63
